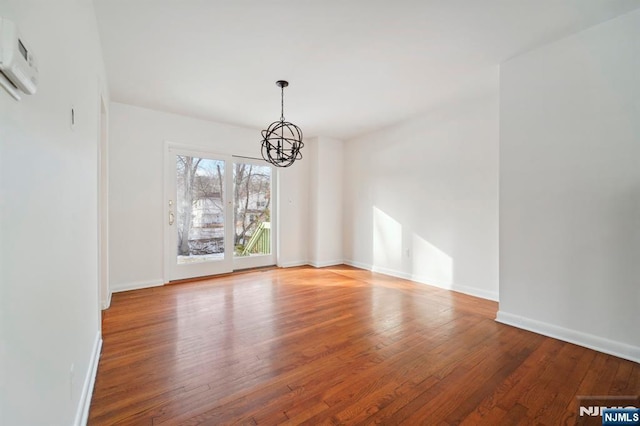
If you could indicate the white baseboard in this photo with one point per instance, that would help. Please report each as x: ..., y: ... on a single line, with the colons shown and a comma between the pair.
x: 107, y: 303
x: 391, y: 272
x: 116, y: 288
x: 477, y: 292
x: 326, y: 263
x: 358, y: 264
x: 472, y: 291
x: 293, y: 264
x: 600, y: 344
x: 82, y: 412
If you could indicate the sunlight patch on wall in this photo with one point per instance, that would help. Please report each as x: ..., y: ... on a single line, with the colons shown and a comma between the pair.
x: 408, y: 256
x: 387, y: 241
x: 430, y: 264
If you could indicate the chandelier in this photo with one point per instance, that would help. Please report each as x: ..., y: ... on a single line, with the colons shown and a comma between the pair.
x: 282, y: 141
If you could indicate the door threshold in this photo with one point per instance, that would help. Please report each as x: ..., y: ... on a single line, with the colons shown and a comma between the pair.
x: 228, y: 274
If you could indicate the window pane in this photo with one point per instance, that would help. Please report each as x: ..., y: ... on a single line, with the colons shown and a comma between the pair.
x: 200, y: 209
x: 252, y: 209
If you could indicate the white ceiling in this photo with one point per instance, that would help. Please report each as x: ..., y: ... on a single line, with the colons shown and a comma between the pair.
x: 353, y: 65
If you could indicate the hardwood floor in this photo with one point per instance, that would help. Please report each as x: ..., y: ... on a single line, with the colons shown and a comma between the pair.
x: 334, y: 346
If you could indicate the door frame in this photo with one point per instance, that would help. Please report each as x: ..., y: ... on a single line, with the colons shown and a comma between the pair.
x: 169, y: 151
x: 104, y: 291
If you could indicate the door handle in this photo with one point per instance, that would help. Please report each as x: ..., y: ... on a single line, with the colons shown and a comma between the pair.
x: 171, y: 218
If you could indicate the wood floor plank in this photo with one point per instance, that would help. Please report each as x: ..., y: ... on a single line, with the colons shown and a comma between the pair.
x: 336, y: 345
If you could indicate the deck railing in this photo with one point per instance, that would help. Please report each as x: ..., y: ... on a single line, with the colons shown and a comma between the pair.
x: 260, y: 241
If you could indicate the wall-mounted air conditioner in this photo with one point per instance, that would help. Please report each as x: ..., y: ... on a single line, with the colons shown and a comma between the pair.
x: 18, y: 67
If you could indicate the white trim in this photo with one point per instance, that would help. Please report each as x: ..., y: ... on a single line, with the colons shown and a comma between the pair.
x: 358, y: 264
x: 116, y: 288
x: 579, y: 338
x: 472, y: 291
x: 103, y: 197
x: 391, y: 272
x: 107, y: 303
x: 477, y: 292
x: 326, y: 263
x: 82, y: 411
x: 292, y: 264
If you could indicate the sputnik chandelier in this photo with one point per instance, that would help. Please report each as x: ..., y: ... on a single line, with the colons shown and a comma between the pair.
x: 282, y: 141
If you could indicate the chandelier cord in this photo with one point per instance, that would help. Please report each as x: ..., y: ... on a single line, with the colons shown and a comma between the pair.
x: 282, y: 103
x: 282, y: 121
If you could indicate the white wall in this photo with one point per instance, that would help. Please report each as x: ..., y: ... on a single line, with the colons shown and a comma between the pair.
x: 293, y: 213
x: 421, y: 198
x: 49, y: 301
x: 570, y: 188
x: 136, y: 211
x: 325, y: 157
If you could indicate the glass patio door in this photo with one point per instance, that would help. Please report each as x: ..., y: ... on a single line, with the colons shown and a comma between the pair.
x: 254, y: 214
x: 199, y: 238
x: 218, y: 214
